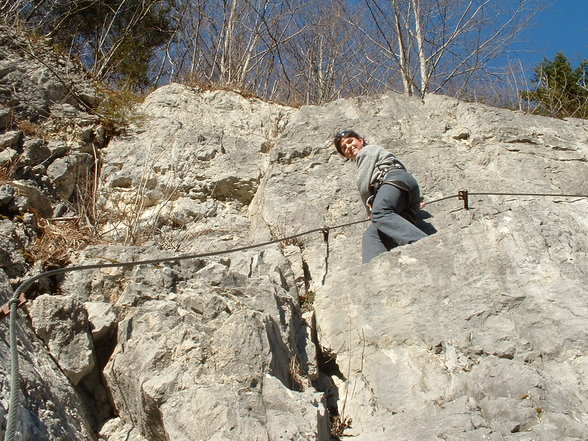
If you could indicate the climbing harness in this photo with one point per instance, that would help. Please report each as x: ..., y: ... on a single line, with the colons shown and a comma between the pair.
x: 19, y: 299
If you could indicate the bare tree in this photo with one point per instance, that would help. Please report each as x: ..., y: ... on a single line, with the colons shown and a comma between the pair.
x: 436, y: 43
x: 315, y: 58
x: 332, y: 59
x: 300, y: 51
x: 233, y: 43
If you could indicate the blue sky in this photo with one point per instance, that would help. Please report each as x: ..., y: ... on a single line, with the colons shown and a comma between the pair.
x: 562, y: 26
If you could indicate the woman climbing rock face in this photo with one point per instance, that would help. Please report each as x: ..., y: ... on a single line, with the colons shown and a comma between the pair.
x: 390, y: 193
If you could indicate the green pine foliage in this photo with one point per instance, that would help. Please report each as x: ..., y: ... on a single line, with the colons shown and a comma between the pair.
x: 115, y: 39
x: 560, y: 90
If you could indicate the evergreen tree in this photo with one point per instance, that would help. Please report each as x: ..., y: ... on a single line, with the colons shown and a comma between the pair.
x: 560, y: 90
x: 115, y: 39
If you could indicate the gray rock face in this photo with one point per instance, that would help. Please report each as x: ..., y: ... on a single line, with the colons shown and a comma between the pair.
x: 215, y: 339
x: 41, y: 77
x: 455, y: 337
x: 454, y: 347
x: 477, y: 332
x: 200, y: 172
x: 49, y: 144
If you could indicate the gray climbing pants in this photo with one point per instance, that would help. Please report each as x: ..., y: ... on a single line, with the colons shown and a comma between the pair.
x: 393, y: 215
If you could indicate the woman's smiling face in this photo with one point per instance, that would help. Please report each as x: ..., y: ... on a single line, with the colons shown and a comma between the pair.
x: 350, y: 146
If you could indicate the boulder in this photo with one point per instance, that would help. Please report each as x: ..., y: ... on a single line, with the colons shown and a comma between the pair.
x: 68, y: 172
x: 36, y: 152
x: 35, y: 197
x: 62, y: 323
x: 6, y: 118
x: 10, y: 139
x: 102, y: 319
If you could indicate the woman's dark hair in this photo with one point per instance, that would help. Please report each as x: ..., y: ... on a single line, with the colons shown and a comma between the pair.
x: 346, y: 134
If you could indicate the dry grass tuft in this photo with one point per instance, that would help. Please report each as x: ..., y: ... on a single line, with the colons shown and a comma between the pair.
x: 5, y: 174
x: 208, y: 85
x: 300, y: 381
x: 306, y: 301
x: 31, y: 129
x: 7, y: 171
x: 58, y: 239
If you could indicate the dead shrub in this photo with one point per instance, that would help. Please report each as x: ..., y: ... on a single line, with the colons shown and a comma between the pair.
x: 58, y: 238
x: 30, y: 128
x: 8, y: 169
x: 339, y: 425
x: 306, y: 301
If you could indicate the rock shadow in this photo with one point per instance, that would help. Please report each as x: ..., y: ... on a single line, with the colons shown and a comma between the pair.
x: 423, y: 224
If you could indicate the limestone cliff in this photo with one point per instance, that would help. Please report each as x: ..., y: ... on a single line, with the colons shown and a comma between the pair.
x: 478, y: 332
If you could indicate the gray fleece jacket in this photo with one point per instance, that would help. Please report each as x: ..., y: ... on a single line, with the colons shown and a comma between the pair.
x: 372, y: 162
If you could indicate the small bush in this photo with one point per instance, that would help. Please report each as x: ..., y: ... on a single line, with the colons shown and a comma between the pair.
x: 118, y: 110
